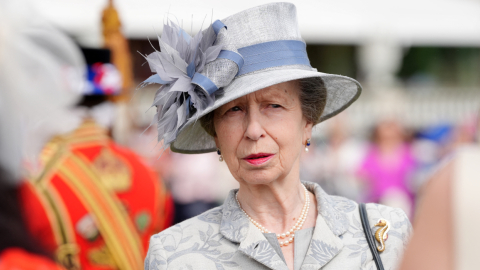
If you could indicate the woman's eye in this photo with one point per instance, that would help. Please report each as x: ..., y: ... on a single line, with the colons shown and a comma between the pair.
x: 235, y: 109
x: 275, y: 105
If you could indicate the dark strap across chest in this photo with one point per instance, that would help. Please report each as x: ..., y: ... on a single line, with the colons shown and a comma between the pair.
x: 369, y: 236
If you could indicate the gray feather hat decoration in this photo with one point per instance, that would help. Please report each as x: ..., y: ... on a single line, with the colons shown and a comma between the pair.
x: 181, y: 67
x: 236, y: 56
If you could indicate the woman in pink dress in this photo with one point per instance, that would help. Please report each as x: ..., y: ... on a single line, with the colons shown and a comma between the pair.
x: 387, y: 167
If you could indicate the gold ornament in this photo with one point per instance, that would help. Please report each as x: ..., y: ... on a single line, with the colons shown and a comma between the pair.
x: 381, y: 234
x: 101, y: 257
x: 114, y: 173
x: 67, y: 256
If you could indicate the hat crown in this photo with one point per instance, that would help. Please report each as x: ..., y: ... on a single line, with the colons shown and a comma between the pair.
x: 270, y: 22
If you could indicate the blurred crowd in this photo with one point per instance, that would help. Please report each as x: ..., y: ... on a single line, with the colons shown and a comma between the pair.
x: 390, y: 165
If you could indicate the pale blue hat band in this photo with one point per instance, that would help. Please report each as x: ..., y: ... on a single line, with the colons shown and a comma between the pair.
x: 273, y: 54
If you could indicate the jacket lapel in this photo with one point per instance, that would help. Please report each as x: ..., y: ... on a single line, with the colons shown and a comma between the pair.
x: 257, y: 247
x: 236, y: 227
x: 324, y: 246
x: 331, y: 223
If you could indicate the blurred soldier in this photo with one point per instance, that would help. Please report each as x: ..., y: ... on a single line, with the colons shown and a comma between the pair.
x: 94, y: 203
x: 35, y: 59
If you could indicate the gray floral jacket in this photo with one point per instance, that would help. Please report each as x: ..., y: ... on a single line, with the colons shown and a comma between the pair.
x: 223, y: 238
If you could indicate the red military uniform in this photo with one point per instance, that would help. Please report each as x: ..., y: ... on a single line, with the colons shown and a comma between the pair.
x: 95, y: 204
x: 19, y: 259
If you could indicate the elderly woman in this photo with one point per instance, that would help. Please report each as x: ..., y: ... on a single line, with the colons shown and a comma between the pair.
x: 245, y: 88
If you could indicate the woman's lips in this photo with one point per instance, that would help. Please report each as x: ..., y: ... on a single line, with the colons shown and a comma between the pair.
x: 258, y: 159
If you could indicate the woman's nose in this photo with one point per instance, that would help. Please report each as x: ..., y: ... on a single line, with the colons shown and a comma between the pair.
x: 254, y: 128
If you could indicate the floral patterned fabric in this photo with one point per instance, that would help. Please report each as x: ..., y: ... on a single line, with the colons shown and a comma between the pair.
x: 223, y: 238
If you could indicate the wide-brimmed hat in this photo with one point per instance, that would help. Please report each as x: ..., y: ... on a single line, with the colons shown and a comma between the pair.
x: 246, y: 52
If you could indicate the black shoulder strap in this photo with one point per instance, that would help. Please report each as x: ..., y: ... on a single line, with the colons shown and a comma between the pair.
x: 369, y: 236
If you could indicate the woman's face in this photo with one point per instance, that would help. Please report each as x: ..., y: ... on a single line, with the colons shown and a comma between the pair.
x: 261, y: 135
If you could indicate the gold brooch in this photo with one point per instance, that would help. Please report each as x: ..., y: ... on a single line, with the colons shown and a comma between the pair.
x: 381, y: 234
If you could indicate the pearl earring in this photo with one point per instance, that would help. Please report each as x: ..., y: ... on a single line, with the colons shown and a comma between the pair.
x: 307, y: 144
x: 220, y: 158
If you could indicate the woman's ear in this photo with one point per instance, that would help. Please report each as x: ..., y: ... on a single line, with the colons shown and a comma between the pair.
x: 307, y: 134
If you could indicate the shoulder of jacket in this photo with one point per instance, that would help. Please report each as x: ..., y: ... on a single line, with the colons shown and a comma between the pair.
x: 212, y: 217
x: 342, y: 204
x: 400, y: 226
x: 342, y: 200
x: 386, y: 212
x: 180, y: 237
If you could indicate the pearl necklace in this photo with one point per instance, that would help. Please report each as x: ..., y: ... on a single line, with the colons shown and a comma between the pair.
x: 288, y: 234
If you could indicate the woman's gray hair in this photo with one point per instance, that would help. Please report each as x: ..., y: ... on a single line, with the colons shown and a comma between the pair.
x: 313, y: 97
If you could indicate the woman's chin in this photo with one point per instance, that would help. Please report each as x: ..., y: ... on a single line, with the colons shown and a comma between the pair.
x: 253, y: 182
x: 259, y: 177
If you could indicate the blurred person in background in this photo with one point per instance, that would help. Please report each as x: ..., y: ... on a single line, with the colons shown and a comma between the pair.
x: 463, y: 134
x: 35, y: 61
x: 334, y: 163
x: 388, y: 166
x: 446, y: 224
x: 91, y: 201
x: 194, y: 190
x: 429, y: 148
x: 18, y: 248
x: 436, y: 143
